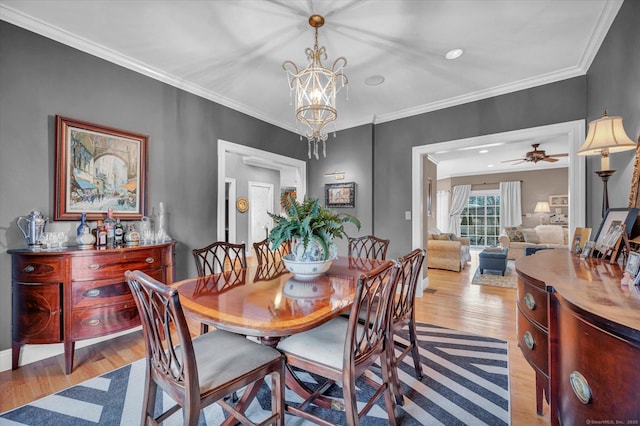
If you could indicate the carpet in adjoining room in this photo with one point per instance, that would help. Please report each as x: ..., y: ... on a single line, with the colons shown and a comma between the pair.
x: 495, y: 279
x: 466, y: 382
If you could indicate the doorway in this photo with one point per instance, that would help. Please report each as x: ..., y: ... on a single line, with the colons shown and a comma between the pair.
x: 261, y: 201
x: 574, y: 134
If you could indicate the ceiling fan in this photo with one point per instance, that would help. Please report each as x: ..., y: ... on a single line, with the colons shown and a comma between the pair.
x: 537, y: 155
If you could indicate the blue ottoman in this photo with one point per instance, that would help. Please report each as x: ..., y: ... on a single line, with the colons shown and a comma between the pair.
x: 494, y: 259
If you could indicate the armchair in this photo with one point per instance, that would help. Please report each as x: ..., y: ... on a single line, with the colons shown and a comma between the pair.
x: 446, y: 251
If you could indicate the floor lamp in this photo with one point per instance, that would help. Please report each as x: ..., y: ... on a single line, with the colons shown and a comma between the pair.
x: 606, y: 135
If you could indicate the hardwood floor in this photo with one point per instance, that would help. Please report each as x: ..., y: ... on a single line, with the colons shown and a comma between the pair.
x: 456, y: 303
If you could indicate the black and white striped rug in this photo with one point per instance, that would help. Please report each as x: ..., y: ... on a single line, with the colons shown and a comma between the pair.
x: 466, y: 382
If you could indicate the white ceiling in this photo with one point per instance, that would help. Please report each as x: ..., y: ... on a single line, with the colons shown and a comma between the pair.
x: 231, y: 51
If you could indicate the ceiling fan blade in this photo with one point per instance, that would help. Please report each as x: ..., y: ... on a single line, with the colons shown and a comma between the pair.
x: 549, y: 159
x: 517, y: 159
x: 558, y: 155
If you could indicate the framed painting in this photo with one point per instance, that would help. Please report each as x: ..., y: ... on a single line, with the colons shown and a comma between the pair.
x: 340, y: 194
x: 558, y: 200
x: 99, y: 168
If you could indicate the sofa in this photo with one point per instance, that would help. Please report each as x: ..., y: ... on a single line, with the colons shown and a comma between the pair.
x: 446, y: 251
x: 515, y: 239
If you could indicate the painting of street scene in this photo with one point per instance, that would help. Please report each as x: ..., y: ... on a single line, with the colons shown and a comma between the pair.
x: 102, y: 171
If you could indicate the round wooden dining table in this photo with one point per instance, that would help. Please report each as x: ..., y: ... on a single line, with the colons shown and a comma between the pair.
x: 267, y: 302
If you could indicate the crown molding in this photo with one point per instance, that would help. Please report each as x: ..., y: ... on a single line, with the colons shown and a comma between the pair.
x: 605, y: 20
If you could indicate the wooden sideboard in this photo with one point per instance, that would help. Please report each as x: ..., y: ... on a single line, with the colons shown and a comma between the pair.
x: 579, y: 329
x: 69, y: 294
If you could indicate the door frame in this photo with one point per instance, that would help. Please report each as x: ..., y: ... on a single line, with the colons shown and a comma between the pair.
x: 270, y: 158
x: 573, y: 131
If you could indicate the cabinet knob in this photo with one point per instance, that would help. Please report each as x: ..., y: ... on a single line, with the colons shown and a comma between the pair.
x: 94, y: 292
x: 94, y: 266
x: 29, y: 268
x: 93, y: 322
x: 527, y: 338
x: 580, y: 387
x: 150, y: 260
x: 529, y: 301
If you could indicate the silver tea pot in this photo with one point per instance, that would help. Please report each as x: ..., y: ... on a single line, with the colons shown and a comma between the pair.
x: 32, y: 227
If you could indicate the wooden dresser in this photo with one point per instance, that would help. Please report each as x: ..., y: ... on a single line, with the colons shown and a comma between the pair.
x: 580, y: 331
x: 70, y: 294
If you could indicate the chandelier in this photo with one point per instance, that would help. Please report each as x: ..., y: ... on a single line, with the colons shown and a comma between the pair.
x: 315, y: 89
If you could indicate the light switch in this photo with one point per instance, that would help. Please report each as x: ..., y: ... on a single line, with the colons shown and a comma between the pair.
x: 407, y: 215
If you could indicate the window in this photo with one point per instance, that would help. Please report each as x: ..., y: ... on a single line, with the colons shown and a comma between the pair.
x: 481, y: 218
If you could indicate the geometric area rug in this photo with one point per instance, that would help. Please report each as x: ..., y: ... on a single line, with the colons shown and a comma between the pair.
x: 466, y: 382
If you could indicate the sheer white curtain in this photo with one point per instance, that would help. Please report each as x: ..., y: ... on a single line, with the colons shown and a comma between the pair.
x: 458, y: 201
x: 442, y: 219
x: 510, y: 204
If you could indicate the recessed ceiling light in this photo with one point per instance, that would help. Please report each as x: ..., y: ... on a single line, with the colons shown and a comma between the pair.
x: 454, y: 54
x: 374, y: 80
x: 490, y: 165
x: 483, y: 151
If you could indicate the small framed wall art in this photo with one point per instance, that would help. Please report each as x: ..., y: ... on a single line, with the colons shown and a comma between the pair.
x: 340, y: 194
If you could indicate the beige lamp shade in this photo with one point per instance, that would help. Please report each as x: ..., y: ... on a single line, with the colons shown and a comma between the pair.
x: 542, y: 207
x: 606, y: 135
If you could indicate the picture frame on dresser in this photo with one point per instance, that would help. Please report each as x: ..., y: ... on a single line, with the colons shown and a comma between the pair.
x: 99, y: 168
x: 610, y: 229
x: 587, y: 248
x: 633, y: 264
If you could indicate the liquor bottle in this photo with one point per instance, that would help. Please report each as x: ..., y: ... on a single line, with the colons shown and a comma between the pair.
x: 118, y: 232
x: 102, y: 234
x: 132, y: 237
x: 110, y: 226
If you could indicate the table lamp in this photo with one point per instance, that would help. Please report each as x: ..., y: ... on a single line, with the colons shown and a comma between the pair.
x: 606, y: 135
x: 542, y: 207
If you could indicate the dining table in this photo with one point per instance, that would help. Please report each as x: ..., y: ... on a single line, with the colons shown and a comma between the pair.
x: 268, y: 303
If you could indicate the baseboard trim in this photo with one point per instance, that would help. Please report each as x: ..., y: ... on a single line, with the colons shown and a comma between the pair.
x: 33, y: 353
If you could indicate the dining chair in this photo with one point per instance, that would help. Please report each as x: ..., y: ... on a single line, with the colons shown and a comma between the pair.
x: 403, y: 315
x: 197, y: 372
x: 368, y: 246
x: 218, y: 257
x: 342, y: 349
x: 265, y: 254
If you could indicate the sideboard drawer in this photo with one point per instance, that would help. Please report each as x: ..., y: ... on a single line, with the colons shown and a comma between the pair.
x: 31, y: 269
x: 533, y: 341
x: 105, y: 292
x: 533, y: 302
x: 87, y: 323
x: 104, y: 266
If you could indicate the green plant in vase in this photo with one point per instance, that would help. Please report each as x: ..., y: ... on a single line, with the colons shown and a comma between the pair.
x: 310, y: 227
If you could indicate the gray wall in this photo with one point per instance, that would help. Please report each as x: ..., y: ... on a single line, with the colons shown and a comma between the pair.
x: 350, y: 151
x: 40, y: 78
x: 613, y: 82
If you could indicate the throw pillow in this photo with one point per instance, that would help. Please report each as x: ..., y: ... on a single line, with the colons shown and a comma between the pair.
x: 531, y: 236
x: 514, y: 233
x: 452, y: 237
x: 443, y: 237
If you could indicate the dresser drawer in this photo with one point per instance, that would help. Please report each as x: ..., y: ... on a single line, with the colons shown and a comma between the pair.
x: 95, y: 322
x: 533, y: 302
x: 31, y: 269
x: 86, y: 294
x: 533, y: 342
x: 107, y: 265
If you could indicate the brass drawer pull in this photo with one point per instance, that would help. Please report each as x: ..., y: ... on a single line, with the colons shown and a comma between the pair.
x: 94, y: 266
x: 94, y: 292
x: 580, y: 387
x: 529, y: 301
x: 29, y: 268
x: 150, y: 260
x: 93, y: 322
x: 528, y: 340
